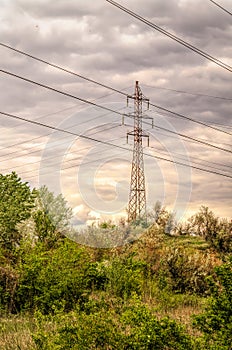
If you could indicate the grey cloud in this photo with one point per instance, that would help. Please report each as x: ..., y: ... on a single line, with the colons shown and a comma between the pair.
x: 196, y: 18
x: 69, y: 8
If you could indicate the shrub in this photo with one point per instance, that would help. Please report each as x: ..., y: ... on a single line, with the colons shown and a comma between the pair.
x: 216, y: 322
x: 132, y: 327
x: 145, y: 331
x: 54, y: 278
x: 125, y: 276
x: 185, y: 272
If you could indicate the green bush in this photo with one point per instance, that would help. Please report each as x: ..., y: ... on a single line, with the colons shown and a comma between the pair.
x: 145, y: 331
x: 132, y: 327
x: 54, y: 278
x: 125, y: 276
x: 216, y: 322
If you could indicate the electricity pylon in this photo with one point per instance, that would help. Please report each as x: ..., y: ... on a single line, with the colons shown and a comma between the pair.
x: 137, y: 197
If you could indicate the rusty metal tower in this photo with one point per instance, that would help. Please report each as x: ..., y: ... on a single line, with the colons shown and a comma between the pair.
x: 137, y: 197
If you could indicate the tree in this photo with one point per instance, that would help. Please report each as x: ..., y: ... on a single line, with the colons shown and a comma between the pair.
x: 162, y: 217
x: 216, y: 231
x: 205, y: 223
x: 16, y: 202
x: 52, y: 216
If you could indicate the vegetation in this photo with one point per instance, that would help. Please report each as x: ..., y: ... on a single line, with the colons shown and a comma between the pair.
x: 16, y: 203
x: 160, y: 291
x: 216, y: 321
x: 216, y: 231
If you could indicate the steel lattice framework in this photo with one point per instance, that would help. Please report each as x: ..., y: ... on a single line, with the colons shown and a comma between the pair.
x: 137, y: 197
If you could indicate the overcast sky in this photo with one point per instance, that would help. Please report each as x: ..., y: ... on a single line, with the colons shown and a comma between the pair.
x: 98, y: 41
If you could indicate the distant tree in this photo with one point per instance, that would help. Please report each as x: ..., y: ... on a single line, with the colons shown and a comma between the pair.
x: 16, y: 202
x: 204, y: 223
x: 162, y: 217
x: 216, y: 231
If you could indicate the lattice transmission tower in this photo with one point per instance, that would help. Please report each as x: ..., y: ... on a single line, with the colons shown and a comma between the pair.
x: 137, y: 196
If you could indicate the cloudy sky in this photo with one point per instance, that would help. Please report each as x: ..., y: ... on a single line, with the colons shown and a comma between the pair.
x: 98, y: 41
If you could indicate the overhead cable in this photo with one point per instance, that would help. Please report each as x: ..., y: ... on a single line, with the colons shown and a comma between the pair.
x: 109, y: 109
x: 187, y: 92
x: 172, y: 36
x: 221, y: 7
x: 110, y: 144
x: 104, y: 85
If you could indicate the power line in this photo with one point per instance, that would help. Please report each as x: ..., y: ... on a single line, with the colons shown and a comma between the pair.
x: 57, y: 156
x: 22, y: 143
x: 67, y: 108
x: 31, y: 152
x: 172, y: 36
x: 223, y: 125
x: 39, y: 150
x: 187, y: 92
x: 190, y: 166
x: 111, y: 110
x: 42, y: 136
x: 191, y: 138
x: 66, y: 161
x: 192, y: 157
x: 195, y: 142
x: 106, y: 143
x: 102, y: 85
x: 36, y: 151
x: 182, y: 157
x: 93, y: 161
x: 58, y: 67
x: 162, y: 114
x: 58, y: 91
x: 189, y: 119
x: 70, y: 167
x: 221, y: 7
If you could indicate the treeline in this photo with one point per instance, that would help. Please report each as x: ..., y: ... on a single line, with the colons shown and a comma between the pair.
x: 158, y: 292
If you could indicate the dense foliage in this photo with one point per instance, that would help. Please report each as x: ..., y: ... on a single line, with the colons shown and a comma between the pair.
x: 216, y: 321
x: 16, y: 201
x: 138, y: 296
x: 126, y: 327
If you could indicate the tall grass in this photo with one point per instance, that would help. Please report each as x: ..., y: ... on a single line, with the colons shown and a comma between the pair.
x: 15, y: 333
